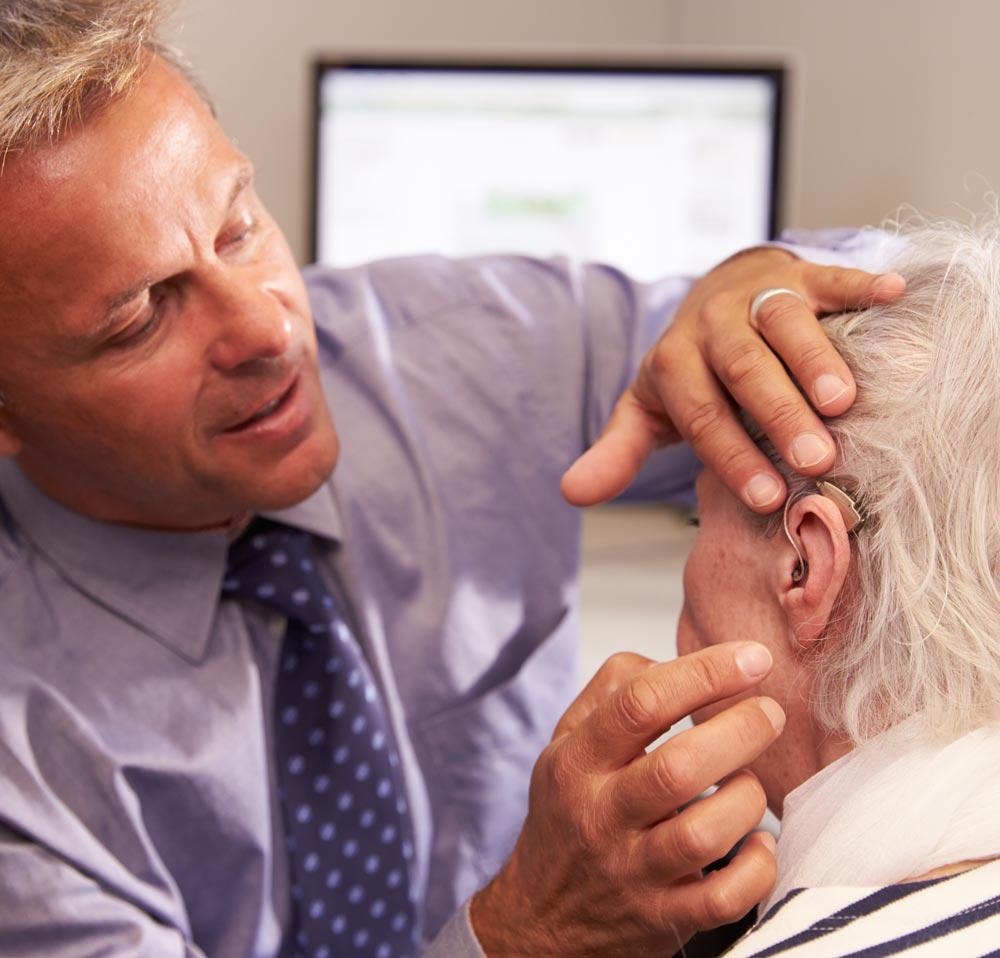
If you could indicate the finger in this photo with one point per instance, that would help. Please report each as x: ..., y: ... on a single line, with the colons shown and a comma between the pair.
x: 752, y: 374
x: 608, y: 679
x: 650, y: 702
x: 705, y: 831
x: 834, y: 289
x: 684, y: 766
x: 793, y: 332
x: 796, y: 335
x: 687, y: 388
x: 725, y: 895
x: 608, y: 467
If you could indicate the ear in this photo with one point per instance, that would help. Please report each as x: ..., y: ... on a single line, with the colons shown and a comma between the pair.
x: 818, y: 529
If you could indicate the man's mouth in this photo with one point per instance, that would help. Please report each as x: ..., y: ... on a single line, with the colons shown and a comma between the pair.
x: 267, y: 410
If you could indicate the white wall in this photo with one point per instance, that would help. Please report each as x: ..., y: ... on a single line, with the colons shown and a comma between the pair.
x: 895, y: 98
x: 892, y: 100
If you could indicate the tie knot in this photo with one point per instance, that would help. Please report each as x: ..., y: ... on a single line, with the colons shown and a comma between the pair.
x: 273, y: 565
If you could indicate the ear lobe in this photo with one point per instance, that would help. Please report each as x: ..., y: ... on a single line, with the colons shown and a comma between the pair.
x: 817, y: 526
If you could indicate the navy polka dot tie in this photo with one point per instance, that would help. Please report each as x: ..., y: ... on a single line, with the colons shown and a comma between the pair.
x: 344, y: 809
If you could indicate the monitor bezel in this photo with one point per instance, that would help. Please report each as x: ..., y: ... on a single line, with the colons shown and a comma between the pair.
x: 774, y: 72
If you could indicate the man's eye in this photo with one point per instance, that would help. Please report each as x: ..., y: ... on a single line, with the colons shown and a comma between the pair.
x: 693, y: 521
x: 145, y: 322
x: 241, y: 231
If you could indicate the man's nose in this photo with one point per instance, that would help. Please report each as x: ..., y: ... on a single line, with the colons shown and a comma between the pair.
x: 252, y: 323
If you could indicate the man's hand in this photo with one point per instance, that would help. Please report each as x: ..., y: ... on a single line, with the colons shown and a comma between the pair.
x: 605, y: 864
x: 711, y: 353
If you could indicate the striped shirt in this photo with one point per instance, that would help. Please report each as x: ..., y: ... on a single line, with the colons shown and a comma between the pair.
x: 953, y: 917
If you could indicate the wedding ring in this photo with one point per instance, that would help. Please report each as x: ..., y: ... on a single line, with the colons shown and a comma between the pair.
x: 765, y: 295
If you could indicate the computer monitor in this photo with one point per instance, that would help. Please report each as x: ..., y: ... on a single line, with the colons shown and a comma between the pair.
x: 655, y: 169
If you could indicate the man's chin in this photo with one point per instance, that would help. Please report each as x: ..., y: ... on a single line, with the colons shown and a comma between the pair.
x: 301, y: 482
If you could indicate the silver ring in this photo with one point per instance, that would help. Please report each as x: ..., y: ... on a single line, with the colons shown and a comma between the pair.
x: 765, y: 295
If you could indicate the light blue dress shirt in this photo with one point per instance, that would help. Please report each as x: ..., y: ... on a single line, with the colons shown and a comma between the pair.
x: 137, y: 794
x: 138, y: 814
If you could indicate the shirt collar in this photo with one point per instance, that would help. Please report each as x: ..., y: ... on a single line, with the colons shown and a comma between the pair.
x: 319, y: 514
x: 165, y: 583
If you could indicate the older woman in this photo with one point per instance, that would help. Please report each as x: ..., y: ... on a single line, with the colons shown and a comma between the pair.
x: 878, y: 593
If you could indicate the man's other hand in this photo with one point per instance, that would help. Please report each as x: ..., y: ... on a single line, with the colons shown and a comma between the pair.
x: 711, y: 356
x: 606, y: 864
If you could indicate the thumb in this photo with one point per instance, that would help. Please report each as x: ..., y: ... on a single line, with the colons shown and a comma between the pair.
x: 608, y: 467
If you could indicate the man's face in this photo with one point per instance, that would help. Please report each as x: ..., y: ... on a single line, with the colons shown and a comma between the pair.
x: 157, y: 353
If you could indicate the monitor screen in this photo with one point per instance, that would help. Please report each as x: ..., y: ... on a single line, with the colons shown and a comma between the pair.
x: 661, y: 170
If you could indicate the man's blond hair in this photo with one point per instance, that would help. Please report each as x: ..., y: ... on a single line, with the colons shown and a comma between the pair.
x: 61, y: 61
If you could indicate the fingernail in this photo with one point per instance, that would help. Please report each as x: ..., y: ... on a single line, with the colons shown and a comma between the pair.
x: 774, y: 712
x: 762, y: 489
x: 828, y: 388
x: 768, y: 840
x: 753, y: 660
x: 808, y: 449
x: 890, y: 283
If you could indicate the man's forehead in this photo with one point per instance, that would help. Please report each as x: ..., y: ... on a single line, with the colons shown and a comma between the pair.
x: 68, y: 246
x: 92, y: 212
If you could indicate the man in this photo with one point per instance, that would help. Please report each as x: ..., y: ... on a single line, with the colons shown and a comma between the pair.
x: 163, y: 382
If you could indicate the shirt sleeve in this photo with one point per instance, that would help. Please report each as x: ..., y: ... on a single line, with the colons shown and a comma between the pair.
x: 579, y: 332
x: 869, y: 249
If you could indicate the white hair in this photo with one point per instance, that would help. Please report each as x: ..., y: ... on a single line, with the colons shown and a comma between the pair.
x: 61, y: 61
x: 916, y: 631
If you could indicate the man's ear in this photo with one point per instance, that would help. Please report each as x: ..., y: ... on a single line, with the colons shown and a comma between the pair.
x: 817, y: 527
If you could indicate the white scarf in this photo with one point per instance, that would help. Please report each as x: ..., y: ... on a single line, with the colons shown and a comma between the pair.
x: 895, y: 808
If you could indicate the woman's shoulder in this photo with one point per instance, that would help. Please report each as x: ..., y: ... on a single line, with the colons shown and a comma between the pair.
x: 950, y: 916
